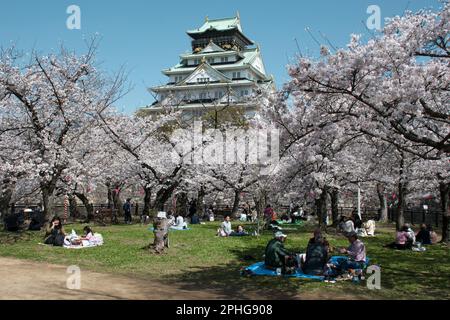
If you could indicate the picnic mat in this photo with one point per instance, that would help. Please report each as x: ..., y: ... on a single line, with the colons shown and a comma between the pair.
x: 297, y: 223
x: 81, y: 246
x: 258, y: 269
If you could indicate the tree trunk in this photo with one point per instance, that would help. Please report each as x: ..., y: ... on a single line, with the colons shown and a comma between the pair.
x: 321, y: 208
x: 335, y: 206
x: 114, y: 200
x: 47, y: 202
x: 260, y: 203
x: 147, y: 201
x: 163, y: 195
x: 161, y: 240
x: 200, y: 199
x: 110, y: 197
x: 5, y: 197
x: 87, y: 204
x: 401, y: 195
x: 181, y: 206
x: 236, y: 201
x: 73, y: 210
x: 383, y: 203
x: 444, y: 189
x: 400, y: 206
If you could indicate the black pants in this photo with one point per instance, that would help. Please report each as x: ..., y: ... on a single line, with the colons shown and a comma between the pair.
x: 128, y: 217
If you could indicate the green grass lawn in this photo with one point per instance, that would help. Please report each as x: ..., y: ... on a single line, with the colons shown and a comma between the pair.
x: 197, y: 259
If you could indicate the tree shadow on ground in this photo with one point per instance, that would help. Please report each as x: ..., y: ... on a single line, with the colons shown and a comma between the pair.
x: 7, y: 237
x: 226, y: 280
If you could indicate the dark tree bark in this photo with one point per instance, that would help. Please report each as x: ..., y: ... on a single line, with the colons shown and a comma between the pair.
x: 147, y: 201
x: 200, y: 204
x: 321, y: 208
x: 73, y: 210
x: 401, y: 195
x: 47, y: 202
x: 383, y: 203
x: 236, y: 201
x: 5, y: 196
x: 164, y: 194
x: 87, y: 204
x: 444, y: 193
x: 182, y: 202
x: 401, y: 206
x: 335, y: 206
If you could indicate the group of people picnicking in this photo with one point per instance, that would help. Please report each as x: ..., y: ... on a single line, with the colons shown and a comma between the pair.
x: 316, y: 260
x: 55, y: 235
x: 407, y: 239
x: 225, y: 229
x: 353, y: 223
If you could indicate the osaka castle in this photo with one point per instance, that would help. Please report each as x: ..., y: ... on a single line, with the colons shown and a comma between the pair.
x: 224, y: 68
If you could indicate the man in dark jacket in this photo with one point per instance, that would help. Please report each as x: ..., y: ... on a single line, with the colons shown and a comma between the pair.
x: 276, y: 255
x: 127, y: 211
x: 316, y: 255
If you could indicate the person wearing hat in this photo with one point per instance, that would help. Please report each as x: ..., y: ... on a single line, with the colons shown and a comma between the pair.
x: 276, y: 256
x: 356, y: 252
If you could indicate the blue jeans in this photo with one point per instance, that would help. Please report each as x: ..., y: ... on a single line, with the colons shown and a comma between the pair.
x: 350, y: 264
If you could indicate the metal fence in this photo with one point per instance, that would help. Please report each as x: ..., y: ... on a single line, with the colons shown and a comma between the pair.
x: 418, y: 216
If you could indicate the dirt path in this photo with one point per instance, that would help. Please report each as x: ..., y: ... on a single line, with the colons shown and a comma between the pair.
x: 22, y: 279
x: 28, y: 280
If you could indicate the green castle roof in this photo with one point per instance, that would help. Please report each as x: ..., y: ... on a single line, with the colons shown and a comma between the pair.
x: 219, y: 25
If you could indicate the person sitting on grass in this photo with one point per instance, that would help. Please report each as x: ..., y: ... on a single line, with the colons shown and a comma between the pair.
x: 433, y: 235
x: 179, y: 223
x: 403, y: 239
x: 225, y: 228
x: 423, y: 236
x: 55, y: 233
x: 316, y: 255
x: 88, y: 239
x: 276, y: 256
x: 356, y: 253
x: 270, y: 216
x: 346, y: 226
x: 240, y: 232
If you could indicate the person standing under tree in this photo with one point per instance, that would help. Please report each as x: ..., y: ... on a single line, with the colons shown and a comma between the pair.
x: 127, y: 211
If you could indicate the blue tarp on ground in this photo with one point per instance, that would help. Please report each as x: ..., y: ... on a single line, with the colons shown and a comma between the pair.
x: 258, y: 269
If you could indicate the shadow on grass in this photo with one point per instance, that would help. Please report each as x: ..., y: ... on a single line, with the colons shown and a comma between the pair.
x: 225, y: 279
x: 16, y: 237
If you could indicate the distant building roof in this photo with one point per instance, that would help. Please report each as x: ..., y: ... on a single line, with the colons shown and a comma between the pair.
x: 218, y: 25
x: 248, y: 54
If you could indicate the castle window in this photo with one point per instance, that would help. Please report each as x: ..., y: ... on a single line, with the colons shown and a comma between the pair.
x: 244, y: 93
x: 202, y: 80
x: 236, y: 75
x: 224, y: 59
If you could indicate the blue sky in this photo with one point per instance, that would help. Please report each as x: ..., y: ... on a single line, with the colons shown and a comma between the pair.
x: 148, y: 36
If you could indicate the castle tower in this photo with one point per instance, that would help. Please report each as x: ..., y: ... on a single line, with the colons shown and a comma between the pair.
x: 224, y: 68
